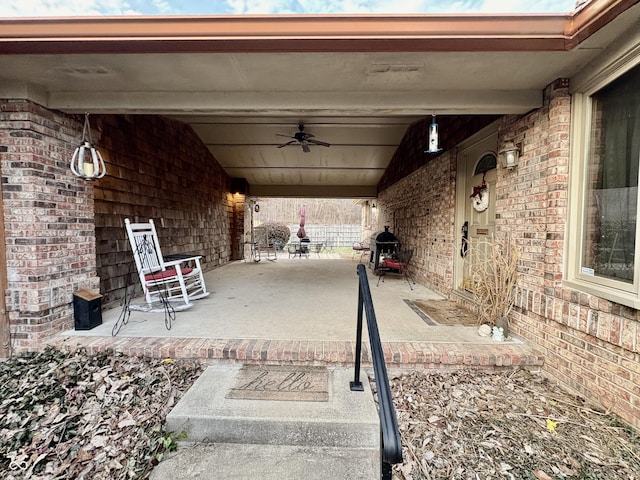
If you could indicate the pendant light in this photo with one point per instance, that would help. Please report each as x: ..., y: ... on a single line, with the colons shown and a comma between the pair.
x: 433, y: 136
x: 86, y: 161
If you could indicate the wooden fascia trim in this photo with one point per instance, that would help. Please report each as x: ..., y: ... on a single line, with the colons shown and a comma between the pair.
x: 595, y: 15
x: 305, y: 33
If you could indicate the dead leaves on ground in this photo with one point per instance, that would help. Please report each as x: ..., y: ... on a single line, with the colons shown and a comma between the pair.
x: 76, y: 416
x: 507, y: 425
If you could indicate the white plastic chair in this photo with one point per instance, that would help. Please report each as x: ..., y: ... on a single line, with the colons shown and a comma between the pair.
x: 179, y: 281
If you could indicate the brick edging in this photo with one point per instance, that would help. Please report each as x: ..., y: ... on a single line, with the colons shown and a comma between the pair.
x: 397, y: 354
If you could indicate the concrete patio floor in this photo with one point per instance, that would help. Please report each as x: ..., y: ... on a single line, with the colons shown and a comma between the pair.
x: 298, y: 310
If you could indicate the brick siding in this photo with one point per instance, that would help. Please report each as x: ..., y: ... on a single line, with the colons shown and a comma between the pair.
x: 158, y: 168
x: 591, y: 346
x: 49, y: 221
x: 420, y: 213
x: 417, y: 197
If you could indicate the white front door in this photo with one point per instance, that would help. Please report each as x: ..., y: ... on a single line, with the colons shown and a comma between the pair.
x: 477, y: 160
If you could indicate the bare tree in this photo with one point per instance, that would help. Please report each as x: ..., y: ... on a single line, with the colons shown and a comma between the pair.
x: 333, y: 211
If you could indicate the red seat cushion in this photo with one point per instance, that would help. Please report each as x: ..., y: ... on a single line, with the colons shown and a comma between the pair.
x: 391, y: 263
x: 171, y: 272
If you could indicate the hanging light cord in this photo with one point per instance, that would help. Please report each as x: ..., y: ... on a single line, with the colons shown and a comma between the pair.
x: 86, y: 129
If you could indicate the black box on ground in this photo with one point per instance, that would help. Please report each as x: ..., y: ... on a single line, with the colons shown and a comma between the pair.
x: 87, y: 309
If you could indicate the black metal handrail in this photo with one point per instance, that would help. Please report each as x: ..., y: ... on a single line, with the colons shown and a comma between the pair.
x: 391, y: 445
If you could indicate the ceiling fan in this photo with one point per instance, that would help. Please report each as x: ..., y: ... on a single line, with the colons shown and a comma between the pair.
x: 303, y: 138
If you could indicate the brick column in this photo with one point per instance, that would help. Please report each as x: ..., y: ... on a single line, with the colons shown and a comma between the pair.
x: 237, y: 226
x: 559, y: 103
x: 5, y: 333
x: 48, y: 220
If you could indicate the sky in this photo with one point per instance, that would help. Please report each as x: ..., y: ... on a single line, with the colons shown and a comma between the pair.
x: 47, y: 8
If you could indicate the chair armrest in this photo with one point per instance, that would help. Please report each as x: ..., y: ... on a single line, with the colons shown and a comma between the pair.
x: 183, y: 257
x: 177, y: 263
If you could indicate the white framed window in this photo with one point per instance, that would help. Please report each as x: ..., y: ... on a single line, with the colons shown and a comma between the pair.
x: 604, y: 201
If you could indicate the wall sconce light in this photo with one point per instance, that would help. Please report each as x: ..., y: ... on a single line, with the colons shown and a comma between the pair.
x: 510, y: 154
x: 239, y: 186
x: 433, y: 136
x: 373, y: 207
x: 86, y: 161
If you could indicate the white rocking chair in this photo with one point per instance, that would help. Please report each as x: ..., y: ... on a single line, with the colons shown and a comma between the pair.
x: 178, y: 281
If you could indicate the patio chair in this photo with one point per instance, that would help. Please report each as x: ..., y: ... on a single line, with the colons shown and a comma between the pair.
x: 330, y: 244
x: 265, y: 246
x: 178, y: 281
x: 298, y: 249
x: 360, y: 249
x: 399, y: 265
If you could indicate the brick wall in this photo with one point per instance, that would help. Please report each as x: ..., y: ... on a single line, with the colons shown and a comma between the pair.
x: 420, y: 213
x: 591, y: 346
x: 417, y: 197
x: 49, y: 221
x: 158, y: 168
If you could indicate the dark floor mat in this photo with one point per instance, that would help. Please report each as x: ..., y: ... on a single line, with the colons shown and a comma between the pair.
x: 446, y: 312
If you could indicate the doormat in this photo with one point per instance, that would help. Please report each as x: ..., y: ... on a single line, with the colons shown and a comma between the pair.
x: 446, y: 312
x: 286, y: 382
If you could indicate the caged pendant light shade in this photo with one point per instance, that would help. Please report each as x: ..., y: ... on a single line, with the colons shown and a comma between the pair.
x: 86, y: 162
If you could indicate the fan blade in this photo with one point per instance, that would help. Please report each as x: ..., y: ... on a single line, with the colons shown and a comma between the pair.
x: 318, y: 142
x: 305, y: 147
x: 283, y: 135
x: 288, y: 143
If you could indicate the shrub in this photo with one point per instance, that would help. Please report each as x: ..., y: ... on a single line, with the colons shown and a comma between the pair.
x: 273, y: 232
x: 494, y: 271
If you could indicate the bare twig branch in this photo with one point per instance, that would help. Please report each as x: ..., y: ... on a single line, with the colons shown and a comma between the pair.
x: 494, y: 270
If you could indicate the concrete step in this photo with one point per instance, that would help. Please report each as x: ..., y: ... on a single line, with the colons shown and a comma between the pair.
x: 258, y: 438
x: 240, y: 461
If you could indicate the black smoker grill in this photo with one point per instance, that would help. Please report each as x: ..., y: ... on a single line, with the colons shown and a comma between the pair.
x: 382, y: 243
